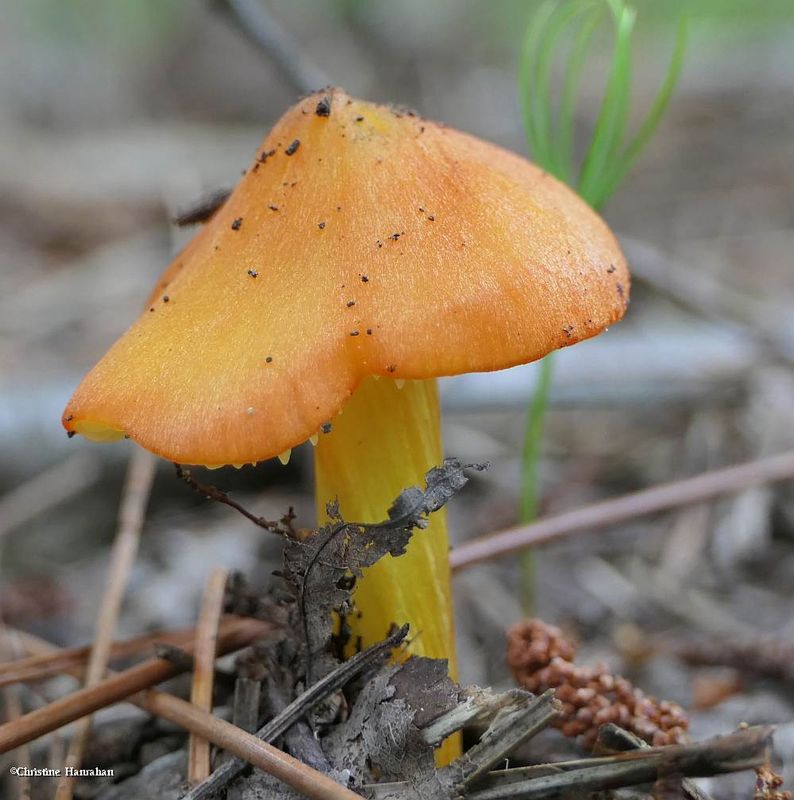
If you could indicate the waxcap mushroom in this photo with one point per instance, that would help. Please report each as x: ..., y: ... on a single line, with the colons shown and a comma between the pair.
x: 362, y: 240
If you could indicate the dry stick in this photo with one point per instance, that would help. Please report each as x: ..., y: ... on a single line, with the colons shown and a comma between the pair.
x: 303, y: 779
x: 613, y: 737
x: 13, y: 707
x: 39, y: 667
x: 204, y: 671
x: 47, y: 489
x: 297, y: 709
x: 259, y: 25
x: 114, y: 689
x: 134, y: 499
x: 732, y: 753
x: 706, y: 296
x: 620, y: 509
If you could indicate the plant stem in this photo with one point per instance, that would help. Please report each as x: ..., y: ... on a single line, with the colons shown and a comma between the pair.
x: 607, y: 161
x: 533, y: 448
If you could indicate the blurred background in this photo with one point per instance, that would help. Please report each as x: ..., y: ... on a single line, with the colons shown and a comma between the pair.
x: 116, y: 115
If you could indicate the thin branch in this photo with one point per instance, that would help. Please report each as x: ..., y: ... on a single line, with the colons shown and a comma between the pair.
x: 613, y: 737
x: 732, y: 753
x: 219, y: 496
x: 744, y: 749
x: 254, y: 751
x: 9, y: 648
x: 316, y: 693
x: 45, y: 665
x: 114, y: 689
x: 303, y: 779
x: 685, y: 492
x: 135, y: 498
x: 510, y: 728
x: 204, y: 671
x: 254, y: 19
x: 46, y: 490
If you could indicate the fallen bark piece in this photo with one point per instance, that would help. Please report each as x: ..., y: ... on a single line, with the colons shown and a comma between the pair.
x: 735, y: 752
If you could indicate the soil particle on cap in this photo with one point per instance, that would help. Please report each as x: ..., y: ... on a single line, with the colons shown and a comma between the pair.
x: 265, y: 155
x: 391, y: 368
x: 620, y: 290
x: 364, y: 279
x: 369, y: 331
x: 431, y: 217
x: 253, y: 273
x: 611, y: 268
x: 568, y: 330
x: 293, y: 147
x: 321, y: 225
x: 272, y: 207
x: 359, y: 118
x: 326, y: 427
x: 379, y: 243
x: 269, y: 360
x: 354, y: 333
x: 350, y: 303
x: 237, y: 224
x: 166, y: 298
x: 395, y: 236
x: 152, y: 308
x: 71, y: 434
x: 69, y: 418
x: 323, y: 108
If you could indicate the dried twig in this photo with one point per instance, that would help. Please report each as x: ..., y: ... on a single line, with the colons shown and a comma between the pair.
x: 258, y: 24
x: 244, y: 745
x: 331, y: 683
x: 111, y: 690
x: 701, y: 487
x: 135, y: 497
x: 707, y: 296
x: 732, y: 753
x: 46, y: 490
x: 761, y: 656
x: 219, y: 496
x: 612, y: 738
x: 223, y: 734
x: 245, y: 710
x: 204, y: 671
x: 509, y: 729
x: 9, y: 646
x: 45, y: 665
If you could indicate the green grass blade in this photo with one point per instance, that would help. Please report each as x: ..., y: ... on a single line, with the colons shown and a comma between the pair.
x: 544, y: 151
x: 611, y: 123
x: 626, y: 161
x: 527, y: 74
x: 607, y: 160
x: 530, y: 483
x: 566, y: 125
x: 533, y: 440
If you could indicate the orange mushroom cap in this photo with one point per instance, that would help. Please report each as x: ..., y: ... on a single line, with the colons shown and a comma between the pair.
x: 363, y: 240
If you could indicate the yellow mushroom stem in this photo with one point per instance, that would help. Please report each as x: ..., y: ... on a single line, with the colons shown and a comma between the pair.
x: 386, y: 441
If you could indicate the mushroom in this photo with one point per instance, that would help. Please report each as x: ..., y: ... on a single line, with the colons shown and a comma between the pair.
x: 362, y: 243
